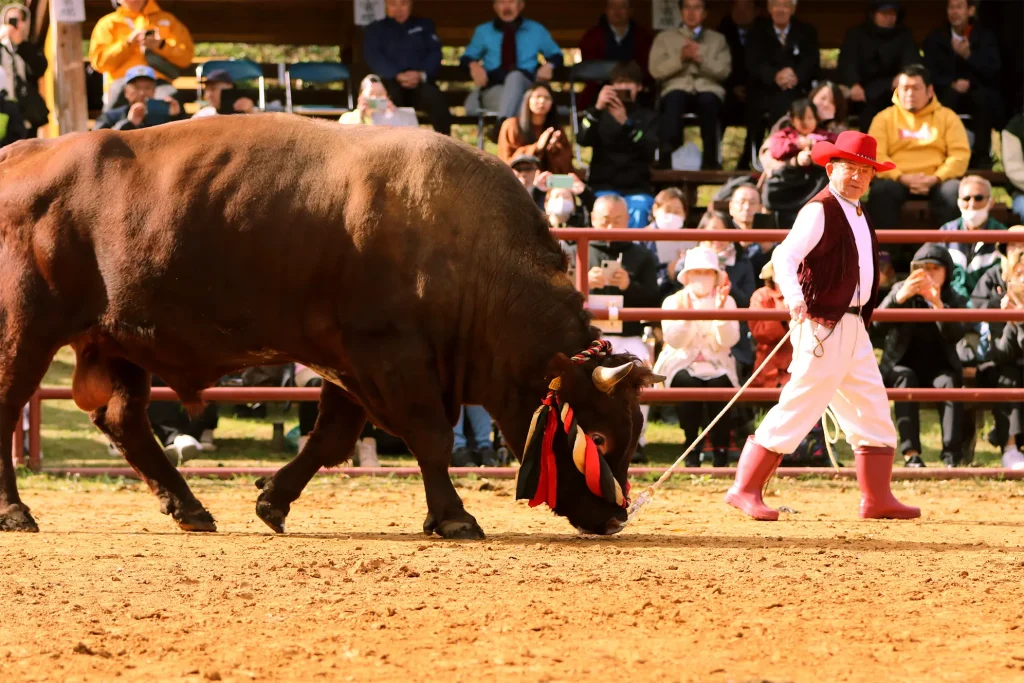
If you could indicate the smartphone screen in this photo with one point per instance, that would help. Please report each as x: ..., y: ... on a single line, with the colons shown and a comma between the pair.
x: 560, y: 181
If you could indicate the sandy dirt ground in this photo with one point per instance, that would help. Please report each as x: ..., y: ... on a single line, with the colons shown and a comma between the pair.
x: 691, y: 592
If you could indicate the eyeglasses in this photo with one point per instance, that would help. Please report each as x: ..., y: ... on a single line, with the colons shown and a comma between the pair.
x: 975, y: 197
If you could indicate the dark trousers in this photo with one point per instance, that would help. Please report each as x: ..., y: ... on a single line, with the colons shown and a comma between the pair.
x: 424, y: 97
x: 1009, y: 417
x: 951, y: 413
x: 886, y: 200
x: 170, y: 420
x: 309, y: 410
x: 984, y: 107
x: 694, y: 415
x: 708, y: 109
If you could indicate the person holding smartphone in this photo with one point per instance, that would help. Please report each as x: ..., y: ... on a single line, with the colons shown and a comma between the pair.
x: 23, y: 63
x: 144, y: 109
x: 373, y: 98
x: 214, y: 86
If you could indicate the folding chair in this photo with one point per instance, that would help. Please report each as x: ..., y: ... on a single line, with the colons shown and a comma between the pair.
x: 593, y: 70
x: 320, y: 73
x: 238, y: 69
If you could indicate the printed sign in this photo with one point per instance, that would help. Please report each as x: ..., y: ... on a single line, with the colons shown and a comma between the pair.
x: 68, y: 11
x: 368, y: 11
x: 665, y: 14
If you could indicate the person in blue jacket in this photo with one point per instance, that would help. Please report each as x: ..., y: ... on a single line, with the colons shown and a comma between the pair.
x: 406, y: 53
x: 502, y: 60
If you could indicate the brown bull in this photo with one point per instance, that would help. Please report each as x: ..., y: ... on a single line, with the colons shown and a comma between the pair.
x: 412, y: 271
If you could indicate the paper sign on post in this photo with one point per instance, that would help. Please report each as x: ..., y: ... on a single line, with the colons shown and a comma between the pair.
x: 68, y: 11
x: 613, y: 302
x: 368, y: 11
x: 665, y: 14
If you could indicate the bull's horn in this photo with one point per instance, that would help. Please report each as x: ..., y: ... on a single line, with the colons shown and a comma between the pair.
x: 605, y: 379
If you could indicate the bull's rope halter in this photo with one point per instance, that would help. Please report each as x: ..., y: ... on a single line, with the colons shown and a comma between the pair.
x: 537, y: 479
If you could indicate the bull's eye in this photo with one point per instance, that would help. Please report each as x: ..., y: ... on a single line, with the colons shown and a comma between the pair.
x: 598, y: 439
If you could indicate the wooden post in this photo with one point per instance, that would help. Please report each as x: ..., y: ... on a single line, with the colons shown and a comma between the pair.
x: 65, y: 78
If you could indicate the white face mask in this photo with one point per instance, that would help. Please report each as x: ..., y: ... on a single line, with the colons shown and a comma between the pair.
x: 668, y: 221
x: 974, y: 217
x: 702, y: 285
x: 561, y: 208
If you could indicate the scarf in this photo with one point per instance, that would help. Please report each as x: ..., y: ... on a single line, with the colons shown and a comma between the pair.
x: 554, y: 429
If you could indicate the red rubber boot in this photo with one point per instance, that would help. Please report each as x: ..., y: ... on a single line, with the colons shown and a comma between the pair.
x: 755, y: 468
x: 874, y: 470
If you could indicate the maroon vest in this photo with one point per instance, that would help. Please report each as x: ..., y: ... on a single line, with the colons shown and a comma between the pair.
x: 829, y: 274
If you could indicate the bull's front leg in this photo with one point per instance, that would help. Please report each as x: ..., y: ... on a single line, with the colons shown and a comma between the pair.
x: 14, y: 515
x: 446, y: 515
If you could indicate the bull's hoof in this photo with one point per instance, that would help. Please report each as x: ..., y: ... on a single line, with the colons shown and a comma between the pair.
x: 429, y: 525
x: 271, y: 514
x: 194, y: 518
x: 460, y: 530
x: 17, y: 518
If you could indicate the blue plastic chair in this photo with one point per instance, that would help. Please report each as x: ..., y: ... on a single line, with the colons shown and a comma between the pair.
x: 238, y: 69
x: 317, y: 72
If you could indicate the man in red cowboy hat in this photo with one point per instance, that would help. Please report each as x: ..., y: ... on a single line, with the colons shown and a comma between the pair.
x: 827, y: 270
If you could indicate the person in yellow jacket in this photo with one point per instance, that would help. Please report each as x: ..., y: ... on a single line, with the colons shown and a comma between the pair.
x: 139, y: 33
x: 927, y: 142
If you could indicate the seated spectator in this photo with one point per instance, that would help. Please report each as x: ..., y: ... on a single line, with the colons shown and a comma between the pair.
x: 791, y: 177
x: 526, y: 167
x: 564, y: 209
x: 12, y: 126
x: 744, y: 204
x: 139, y: 33
x: 616, y: 38
x: 1013, y: 160
x: 1003, y: 288
x: 871, y: 58
x: 23, y: 63
x: 623, y: 135
x: 406, y: 53
x: 736, y: 26
x: 215, y: 83
x: 928, y: 144
x: 918, y: 355
x: 783, y: 59
x: 373, y: 98
x: 365, y: 452
x: 972, y: 259
x: 181, y: 435
x: 963, y: 58
x: 482, y: 452
x: 140, y: 111
x: 635, y: 279
x: 668, y: 213
x: 697, y: 353
x: 830, y: 104
x: 502, y: 60
x: 536, y: 131
x: 691, y: 64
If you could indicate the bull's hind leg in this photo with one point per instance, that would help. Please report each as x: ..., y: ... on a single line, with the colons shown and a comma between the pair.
x: 338, y: 424
x: 123, y: 419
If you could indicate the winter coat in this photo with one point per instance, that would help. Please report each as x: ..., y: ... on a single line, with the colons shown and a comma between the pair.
x: 766, y: 334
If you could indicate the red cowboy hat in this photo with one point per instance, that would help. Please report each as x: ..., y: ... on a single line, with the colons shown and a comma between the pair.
x: 852, y: 145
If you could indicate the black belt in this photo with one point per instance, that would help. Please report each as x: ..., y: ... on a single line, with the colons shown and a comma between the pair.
x: 854, y: 310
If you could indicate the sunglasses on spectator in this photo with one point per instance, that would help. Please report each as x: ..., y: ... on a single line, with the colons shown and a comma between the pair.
x: 975, y: 197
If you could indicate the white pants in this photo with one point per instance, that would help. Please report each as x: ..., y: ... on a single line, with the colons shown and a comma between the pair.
x: 845, y: 378
x: 635, y: 346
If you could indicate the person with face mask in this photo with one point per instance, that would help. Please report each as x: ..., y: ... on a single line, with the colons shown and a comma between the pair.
x: 668, y: 213
x: 972, y: 259
x: 924, y: 354
x: 564, y: 211
x: 698, y: 353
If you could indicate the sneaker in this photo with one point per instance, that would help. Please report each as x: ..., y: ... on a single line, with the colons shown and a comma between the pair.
x: 489, y: 457
x: 367, y: 450
x: 950, y: 461
x: 183, y: 449
x: 914, y: 461
x: 207, y: 440
x: 463, y: 457
x: 720, y: 457
x: 1013, y: 459
x: 692, y: 460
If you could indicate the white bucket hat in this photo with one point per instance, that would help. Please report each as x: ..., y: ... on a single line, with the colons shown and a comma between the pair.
x: 700, y: 258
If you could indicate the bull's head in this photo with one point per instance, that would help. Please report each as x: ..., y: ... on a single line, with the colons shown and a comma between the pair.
x: 603, y: 396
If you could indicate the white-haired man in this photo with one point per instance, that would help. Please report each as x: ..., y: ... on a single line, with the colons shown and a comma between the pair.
x: 973, y: 258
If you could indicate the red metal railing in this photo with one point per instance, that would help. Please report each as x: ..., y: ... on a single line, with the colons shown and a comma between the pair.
x: 582, y: 237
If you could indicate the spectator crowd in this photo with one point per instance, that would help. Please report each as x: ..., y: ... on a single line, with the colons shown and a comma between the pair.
x: 931, y: 107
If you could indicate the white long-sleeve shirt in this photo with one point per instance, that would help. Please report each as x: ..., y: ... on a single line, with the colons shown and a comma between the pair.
x: 805, y: 235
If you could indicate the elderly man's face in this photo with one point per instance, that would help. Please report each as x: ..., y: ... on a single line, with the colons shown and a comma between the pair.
x: 958, y: 12
x: 610, y: 214
x: 744, y: 203
x: 781, y: 11
x: 617, y: 12
x: 526, y: 174
x: 140, y: 90
x: 850, y: 179
x: 885, y: 18
x: 399, y: 10
x: 692, y: 13
x: 508, y: 10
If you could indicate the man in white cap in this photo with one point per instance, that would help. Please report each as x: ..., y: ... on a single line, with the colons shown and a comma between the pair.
x: 142, y: 108
x: 827, y: 270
